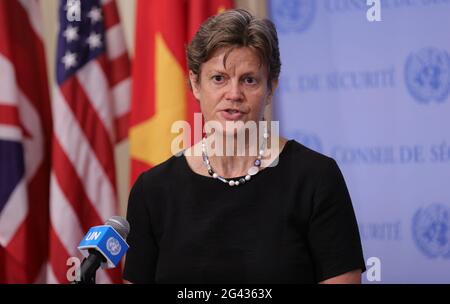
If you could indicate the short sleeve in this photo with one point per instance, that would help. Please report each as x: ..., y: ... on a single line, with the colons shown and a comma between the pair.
x: 333, y: 231
x: 140, y: 262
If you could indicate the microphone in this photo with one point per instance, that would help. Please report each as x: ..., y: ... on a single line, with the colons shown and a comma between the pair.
x: 103, y: 246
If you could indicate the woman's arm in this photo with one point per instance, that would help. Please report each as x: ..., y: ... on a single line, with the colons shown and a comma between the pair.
x: 351, y: 277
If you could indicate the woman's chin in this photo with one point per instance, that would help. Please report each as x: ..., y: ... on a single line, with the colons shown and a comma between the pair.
x: 233, y: 128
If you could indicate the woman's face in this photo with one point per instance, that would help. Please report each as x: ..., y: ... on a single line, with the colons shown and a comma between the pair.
x: 237, y: 91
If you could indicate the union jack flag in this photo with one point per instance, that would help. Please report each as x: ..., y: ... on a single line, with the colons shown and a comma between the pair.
x: 25, y: 132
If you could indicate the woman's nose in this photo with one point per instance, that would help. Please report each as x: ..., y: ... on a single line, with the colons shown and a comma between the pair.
x: 234, y: 92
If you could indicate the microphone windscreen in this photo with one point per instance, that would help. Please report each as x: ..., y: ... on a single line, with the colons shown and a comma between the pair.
x: 119, y: 224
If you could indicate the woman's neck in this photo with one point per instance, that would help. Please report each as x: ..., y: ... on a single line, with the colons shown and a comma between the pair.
x: 231, y: 156
x: 232, y: 166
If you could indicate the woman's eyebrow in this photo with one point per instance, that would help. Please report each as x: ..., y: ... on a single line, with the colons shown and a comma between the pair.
x: 250, y: 73
x: 216, y: 71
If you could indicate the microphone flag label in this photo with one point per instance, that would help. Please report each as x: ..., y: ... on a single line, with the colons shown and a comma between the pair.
x: 107, y: 241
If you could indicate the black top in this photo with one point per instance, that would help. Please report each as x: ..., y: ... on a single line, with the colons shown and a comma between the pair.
x: 292, y: 223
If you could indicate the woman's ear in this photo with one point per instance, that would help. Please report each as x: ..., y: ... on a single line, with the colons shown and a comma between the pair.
x: 193, y: 79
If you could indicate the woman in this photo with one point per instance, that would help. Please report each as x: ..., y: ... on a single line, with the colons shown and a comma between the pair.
x: 214, y: 218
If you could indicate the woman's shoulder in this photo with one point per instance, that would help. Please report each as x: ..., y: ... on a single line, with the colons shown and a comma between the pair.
x: 304, y: 156
x: 163, y: 172
x: 314, y: 168
x: 303, y: 161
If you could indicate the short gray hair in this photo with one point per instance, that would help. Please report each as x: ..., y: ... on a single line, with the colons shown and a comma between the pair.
x: 236, y: 28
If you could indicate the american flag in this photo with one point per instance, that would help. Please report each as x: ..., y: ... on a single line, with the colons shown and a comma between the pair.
x: 25, y: 132
x: 90, y: 114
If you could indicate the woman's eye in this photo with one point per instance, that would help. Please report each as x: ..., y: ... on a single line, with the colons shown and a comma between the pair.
x: 218, y: 78
x: 249, y: 80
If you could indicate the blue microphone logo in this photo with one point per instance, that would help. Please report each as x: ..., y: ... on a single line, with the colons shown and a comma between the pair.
x: 107, y: 241
x: 113, y: 246
x: 93, y: 236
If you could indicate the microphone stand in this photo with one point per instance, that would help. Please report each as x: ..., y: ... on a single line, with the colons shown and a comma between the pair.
x: 89, y: 266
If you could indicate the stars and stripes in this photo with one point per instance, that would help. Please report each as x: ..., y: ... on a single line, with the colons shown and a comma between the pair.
x: 90, y: 113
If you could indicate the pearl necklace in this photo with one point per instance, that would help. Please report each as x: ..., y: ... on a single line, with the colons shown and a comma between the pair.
x: 251, y: 172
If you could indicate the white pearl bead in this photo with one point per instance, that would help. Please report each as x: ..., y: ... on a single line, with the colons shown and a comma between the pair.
x: 236, y: 183
x: 231, y: 183
x: 215, y: 175
x: 261, y: 152
x: 266, y: 135
x: 247, y: 177
x: 253, y: 170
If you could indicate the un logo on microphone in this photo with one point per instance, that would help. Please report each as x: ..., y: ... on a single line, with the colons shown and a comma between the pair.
x: 427, y: 75
x: 293, y: 15
x: 113, y: 246
x: 431, y: 230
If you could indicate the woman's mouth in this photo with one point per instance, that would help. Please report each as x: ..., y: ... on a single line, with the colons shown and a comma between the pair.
x: 231, y: 114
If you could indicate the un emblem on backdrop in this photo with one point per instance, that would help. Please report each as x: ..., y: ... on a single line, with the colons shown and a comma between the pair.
x: 431, y: 230
x: 427, y: 75
x: 293, y: 15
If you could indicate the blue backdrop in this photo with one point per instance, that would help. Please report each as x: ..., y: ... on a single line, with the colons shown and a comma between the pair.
x: 375, y: 97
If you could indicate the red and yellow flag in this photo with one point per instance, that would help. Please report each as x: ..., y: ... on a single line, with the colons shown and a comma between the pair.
x: 160, y: 93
